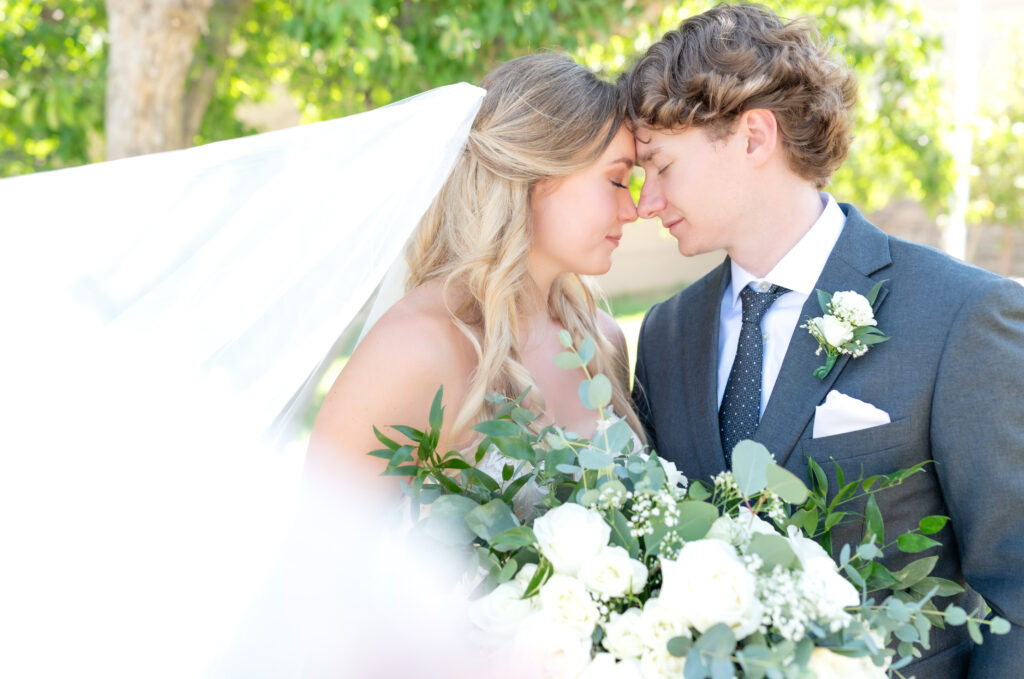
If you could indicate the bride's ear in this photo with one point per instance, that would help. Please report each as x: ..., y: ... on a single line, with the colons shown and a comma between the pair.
x: 761, y: 132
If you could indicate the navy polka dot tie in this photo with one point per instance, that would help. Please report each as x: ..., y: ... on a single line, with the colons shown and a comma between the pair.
x: 741, y: 403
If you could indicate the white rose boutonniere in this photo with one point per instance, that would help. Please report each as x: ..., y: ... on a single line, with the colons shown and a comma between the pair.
x: 847, y: 326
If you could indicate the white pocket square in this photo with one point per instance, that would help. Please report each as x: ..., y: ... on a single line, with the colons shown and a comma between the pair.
x: 840, y: 414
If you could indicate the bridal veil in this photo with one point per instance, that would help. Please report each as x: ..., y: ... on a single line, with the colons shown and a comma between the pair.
x: 161, y: 312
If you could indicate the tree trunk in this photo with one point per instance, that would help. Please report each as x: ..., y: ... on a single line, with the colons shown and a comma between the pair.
x: 151, y: 48
x: 223, y: 16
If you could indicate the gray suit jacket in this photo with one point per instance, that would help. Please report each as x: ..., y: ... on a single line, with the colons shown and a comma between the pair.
x: 951, y: 379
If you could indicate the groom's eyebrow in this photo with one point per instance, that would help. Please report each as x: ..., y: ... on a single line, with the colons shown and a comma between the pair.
x: 648, y: 154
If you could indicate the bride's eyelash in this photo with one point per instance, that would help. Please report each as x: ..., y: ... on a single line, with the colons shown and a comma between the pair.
x: 621, y: 186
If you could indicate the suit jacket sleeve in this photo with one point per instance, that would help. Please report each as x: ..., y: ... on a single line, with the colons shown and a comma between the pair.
x: 640, y: 386
x: 977, y: 433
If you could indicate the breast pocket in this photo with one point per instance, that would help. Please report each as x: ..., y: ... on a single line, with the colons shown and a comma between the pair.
x: 858, y: 445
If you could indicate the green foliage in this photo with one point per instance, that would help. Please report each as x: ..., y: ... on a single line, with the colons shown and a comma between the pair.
x: 997, y: 184
x: 337, y: 58
x: 52, y: 83
x: 472, y: 513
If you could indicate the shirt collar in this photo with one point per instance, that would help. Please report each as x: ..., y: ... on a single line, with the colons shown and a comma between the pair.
x: 801, y: 267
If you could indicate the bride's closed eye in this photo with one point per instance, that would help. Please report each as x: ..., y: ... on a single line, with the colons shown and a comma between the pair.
x: 619, y: 184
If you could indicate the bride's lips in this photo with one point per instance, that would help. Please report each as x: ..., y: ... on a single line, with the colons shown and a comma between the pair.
x: 614, y: 239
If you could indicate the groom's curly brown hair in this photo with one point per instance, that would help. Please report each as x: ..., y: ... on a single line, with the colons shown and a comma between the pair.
x: 734, y: 58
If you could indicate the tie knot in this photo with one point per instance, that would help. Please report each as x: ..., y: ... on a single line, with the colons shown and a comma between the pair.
x: 755, y: 304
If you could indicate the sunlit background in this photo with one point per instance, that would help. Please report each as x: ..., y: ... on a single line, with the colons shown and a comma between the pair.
x: 938, y: 156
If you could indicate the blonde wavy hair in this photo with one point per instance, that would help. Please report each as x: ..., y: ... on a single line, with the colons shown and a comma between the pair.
x: 543, y: 117
x: 734, y: 58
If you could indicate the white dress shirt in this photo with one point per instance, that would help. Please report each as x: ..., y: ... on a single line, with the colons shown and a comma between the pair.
x: 798, y: 271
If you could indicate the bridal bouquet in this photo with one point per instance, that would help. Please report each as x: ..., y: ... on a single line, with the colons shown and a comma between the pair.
x: 623, y: 569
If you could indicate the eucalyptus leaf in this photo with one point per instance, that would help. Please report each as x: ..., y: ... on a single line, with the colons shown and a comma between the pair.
x: 596, y: 392
x: 559, y: 457
x: 564, y: 338
x: 955, y: 615
x: 999, y: 625
x: 786, y: 484
x: 679, y: 646
x: 568, y: 360
x: 698, y: 491
x: 587, y: 349
x: 617, y: 436
x: 517, y: 536
x: 594, y: 459
x: 774, y: 550
x: 750, y: 461
x: 491, y: 519
x: 824, y: 299
x: 695, y: 519
x: 447, y: 520
x: 974, y: 630
x: 621, y: 536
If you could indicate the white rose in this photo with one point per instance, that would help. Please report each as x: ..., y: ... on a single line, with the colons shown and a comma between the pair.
x: 853, y: 307
x: 722, y: 529
x: 569, y: 535
x: 675, y: 478
x: 708, y: 584
x: 658, y: 663
x: 818, y: 566
x: 501, y: 611
x: 613, y: 573
x: 549, y: 650
x: 622, y: 634
x: 659, y: 623
x: 825, y: 664
x: 836, y: 332
x: 738, y: 531
x: 603, y: 666
x: 566, y: 602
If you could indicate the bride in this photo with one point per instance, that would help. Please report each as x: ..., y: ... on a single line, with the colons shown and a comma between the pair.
x: 536, y: 202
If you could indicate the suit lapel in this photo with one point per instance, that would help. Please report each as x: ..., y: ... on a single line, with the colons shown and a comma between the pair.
x: 700, y: 376
x: 860, y: 252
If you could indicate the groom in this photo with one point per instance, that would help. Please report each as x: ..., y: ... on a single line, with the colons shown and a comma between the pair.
x: 740, y: 120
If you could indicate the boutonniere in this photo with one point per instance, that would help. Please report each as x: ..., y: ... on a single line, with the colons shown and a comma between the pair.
x: 847, y: 326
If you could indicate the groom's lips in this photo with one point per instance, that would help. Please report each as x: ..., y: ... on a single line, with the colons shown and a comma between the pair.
x: 671, y: 225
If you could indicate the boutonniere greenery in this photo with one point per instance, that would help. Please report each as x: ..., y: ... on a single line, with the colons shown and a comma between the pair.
x: 847, y: 326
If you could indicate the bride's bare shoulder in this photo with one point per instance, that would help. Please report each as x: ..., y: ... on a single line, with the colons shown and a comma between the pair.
x: 419, y: 322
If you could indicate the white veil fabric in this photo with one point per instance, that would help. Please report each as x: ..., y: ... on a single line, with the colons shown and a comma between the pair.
x: 161, y: 312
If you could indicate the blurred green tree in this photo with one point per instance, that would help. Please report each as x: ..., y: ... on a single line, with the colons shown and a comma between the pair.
x: 997, y: 181
x: 336, y: 58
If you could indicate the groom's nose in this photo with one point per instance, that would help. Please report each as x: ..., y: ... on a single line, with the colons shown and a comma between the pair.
x: 651, y: 202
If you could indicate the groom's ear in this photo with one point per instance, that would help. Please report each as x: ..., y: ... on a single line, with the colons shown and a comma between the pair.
x: 761, y: 132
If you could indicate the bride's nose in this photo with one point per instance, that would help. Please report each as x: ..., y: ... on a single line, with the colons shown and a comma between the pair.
x: 627, y: 208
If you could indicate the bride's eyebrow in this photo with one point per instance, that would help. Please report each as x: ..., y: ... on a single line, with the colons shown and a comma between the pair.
x: 628, y: 162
